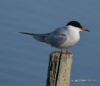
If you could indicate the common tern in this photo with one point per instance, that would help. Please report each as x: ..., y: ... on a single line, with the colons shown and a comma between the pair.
x: 63, y: 37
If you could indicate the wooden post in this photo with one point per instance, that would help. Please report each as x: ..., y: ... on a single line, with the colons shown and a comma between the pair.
x: 59, y: 69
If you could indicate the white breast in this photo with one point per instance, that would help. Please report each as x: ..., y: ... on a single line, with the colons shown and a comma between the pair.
x: 73, y: 37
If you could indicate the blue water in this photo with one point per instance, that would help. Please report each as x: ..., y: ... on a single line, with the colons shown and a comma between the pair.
x: 24, y: 61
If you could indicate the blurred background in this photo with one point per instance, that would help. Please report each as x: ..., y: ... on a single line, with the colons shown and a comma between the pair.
x: 24, y: 61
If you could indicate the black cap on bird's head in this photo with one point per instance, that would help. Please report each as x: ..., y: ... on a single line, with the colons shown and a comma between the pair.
x: 74, y: 23
x: 77, y: 24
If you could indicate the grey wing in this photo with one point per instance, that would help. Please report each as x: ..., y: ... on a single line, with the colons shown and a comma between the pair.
x: 57, y: 37
x: 39, y: 37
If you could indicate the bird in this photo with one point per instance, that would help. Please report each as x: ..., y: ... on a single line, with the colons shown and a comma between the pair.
x: 64, y: 37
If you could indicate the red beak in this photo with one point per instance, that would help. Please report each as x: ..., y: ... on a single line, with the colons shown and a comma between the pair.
x: 85, y: 29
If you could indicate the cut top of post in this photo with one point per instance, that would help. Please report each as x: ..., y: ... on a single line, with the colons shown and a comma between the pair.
x: 58, y: 53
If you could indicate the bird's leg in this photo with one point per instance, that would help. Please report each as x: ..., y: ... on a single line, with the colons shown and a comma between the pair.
x: 68, y: 52
x: 65, y: 51
x: 62, y: 51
